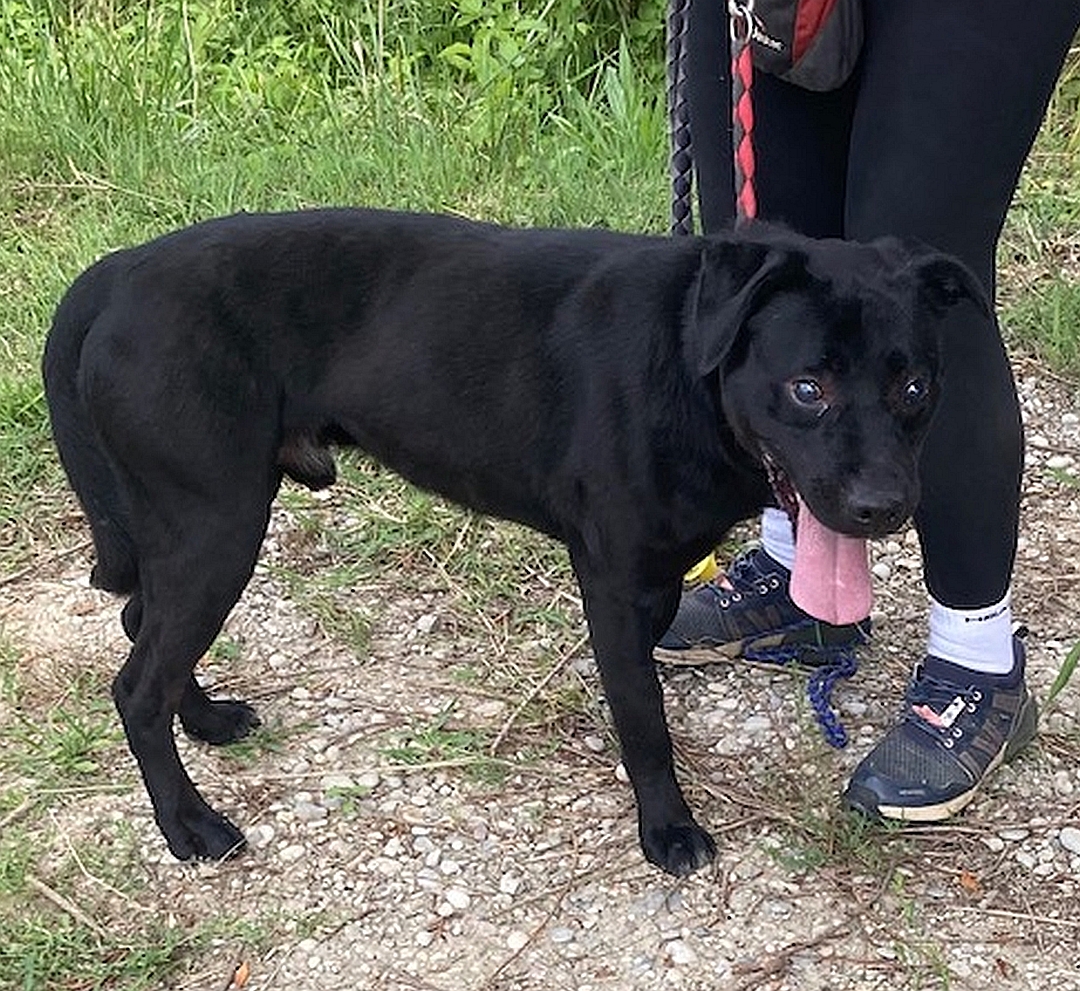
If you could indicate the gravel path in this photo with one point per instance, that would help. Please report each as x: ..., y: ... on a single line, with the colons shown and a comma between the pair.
x: 523, y: 872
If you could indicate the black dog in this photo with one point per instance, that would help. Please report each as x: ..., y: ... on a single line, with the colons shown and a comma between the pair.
x: 617, y: 392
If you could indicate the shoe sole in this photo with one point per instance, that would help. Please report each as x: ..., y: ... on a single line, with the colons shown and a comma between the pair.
x: 1027, y: 724
x: 737, y: 650
x: 711, y: 654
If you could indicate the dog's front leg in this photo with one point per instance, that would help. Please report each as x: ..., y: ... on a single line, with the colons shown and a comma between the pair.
x: 622, y: 620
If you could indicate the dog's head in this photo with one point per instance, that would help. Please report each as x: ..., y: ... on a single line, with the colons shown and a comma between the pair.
x: 825, y: 354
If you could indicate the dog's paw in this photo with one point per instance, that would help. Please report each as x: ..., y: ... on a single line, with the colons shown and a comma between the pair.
x: 678, y: 847
x: 203, y: 834
x: 219, y: 721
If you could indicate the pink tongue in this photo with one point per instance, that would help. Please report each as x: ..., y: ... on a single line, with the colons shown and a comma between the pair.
x: 830, y: 580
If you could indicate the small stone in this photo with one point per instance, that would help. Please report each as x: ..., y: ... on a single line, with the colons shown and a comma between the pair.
x: 1025, y: 859
x: 1013, y: 835
x: 309, y: 812
x: 386, y: 866
x: 426, y: 623
x: 458, y: 898
x: 292, y: 853
x: 1059, y: 461
x: 995, y: 844
x: 620, y: 773
x: 681, y: 953
x: 425, y: 937
x: 517, y: 940
x: 1063, y: 783
x: 367, y: 779
x: 584, y: 665
x: 653, y: 901
x: 1069, y: 838
x: 757, y: 724
x: 509, y: 884
x: 562, y: 934
x: 595, y: 744
x: 260, y: 836
x: 881, y: 571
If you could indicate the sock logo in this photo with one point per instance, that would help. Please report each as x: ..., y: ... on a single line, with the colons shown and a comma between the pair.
x: 987, y: 616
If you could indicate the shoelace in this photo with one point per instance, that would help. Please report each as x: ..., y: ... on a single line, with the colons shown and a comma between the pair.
x: 745, y: 578
x: 936, y: 706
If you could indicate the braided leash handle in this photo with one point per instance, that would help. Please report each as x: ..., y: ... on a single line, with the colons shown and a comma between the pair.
x: 681, y: 163
x: 741, y: 19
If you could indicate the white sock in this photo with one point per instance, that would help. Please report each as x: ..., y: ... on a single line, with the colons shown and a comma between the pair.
x: 978, y: 639
x: 778, y: 536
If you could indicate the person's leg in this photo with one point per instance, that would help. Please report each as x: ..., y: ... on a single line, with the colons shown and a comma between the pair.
x: 950, y: 100
x: 800, y: 142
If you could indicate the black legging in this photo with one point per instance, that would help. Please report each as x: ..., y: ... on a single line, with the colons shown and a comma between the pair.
x: 927, y: 139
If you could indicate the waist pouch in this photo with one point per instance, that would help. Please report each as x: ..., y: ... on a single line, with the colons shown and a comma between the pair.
x: 811, y: 43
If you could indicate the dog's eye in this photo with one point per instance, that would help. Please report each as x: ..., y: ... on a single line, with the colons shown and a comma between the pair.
x: 807, y: 392
x: 916, y: 392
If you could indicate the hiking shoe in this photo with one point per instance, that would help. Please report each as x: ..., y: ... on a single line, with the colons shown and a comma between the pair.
x: 956, y: 727
x: 751, y: 615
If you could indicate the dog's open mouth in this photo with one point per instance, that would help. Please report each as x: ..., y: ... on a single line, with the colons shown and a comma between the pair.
x: 830, y: 579
x: 782, y: 486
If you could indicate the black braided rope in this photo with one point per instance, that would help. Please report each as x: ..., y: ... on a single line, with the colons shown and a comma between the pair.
x: 681, y: 162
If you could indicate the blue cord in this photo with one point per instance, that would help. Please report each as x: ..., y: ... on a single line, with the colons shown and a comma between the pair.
x: 841, y: 663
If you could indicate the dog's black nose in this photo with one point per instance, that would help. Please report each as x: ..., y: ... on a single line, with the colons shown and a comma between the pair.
x: 877, y: 513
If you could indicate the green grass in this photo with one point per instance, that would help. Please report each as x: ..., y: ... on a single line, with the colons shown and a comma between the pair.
x: 439, y: 744
x: 1038, y: 256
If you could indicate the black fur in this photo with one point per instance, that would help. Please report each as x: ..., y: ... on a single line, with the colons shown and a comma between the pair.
x: 614, y: 391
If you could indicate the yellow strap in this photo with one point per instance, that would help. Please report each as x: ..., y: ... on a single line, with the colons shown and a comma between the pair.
x: 705, y: 570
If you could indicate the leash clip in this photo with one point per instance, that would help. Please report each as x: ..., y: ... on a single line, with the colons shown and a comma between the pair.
x: 741, y: 20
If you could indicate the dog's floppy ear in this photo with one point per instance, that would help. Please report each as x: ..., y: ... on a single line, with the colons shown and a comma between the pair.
x: 733, y: 276
x: 943, y: 281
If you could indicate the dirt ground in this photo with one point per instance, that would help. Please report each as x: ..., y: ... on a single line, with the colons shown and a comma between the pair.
x: 424, y: 867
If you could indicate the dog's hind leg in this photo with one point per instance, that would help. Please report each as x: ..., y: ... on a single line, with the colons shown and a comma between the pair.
x: 214, y: 721
x: 623, y: 619
x: 200, y: 562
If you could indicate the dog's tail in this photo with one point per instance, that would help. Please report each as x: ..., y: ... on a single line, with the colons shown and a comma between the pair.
x: 88, y: 468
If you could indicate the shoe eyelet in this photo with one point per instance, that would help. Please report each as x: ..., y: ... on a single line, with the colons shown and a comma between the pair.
x: 957, y: 732
x: 736, y: 596
x: 774, y: 582
x: 948, y: 742
x: 971, y: 707
x: 976, y: 695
